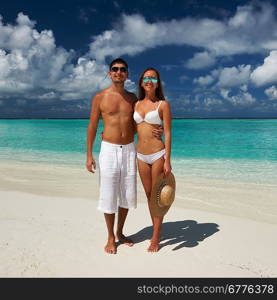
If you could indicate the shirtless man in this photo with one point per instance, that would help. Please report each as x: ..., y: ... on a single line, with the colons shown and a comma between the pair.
x: 117, y: 158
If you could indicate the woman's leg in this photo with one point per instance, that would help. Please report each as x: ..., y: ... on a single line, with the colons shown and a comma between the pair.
x: 157, y: 169
x: 146, y: 179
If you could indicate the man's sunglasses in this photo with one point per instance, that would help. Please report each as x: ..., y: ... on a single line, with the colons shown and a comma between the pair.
x: 148, y: 78
x: 121, y: 69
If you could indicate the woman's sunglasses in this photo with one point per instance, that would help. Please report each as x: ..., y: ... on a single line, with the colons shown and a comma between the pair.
x: 121, y: 69
x: 148, y: 78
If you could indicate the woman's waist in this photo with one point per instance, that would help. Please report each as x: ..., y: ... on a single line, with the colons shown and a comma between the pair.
x: 149, y: 146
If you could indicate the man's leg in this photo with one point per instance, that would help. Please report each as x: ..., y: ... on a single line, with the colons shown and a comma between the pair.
x: 122, y: 214
x: 110, y: 246
x: 108, y: 191
x: 127, y: 190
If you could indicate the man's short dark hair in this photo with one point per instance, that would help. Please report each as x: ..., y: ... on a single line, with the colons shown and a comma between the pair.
x: 118, y: 61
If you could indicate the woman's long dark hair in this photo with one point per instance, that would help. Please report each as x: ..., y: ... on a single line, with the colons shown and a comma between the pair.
x: 159, y: 90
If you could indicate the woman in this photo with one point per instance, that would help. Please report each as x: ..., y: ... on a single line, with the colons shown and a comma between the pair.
x: 153, y: 155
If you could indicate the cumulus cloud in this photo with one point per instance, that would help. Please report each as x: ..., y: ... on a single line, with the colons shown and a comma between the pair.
x: 133, y: 34
x: 222, y: 100
x: 244, y: 87
x: 211, y: 103
x: 127, y: 37
x: 234, y: 76
x: 33, y: 67
x: 215, y: 101
x: 227, y: 77
x: 266, y: 73
x: 200, y: 60
x: 225, y: 93
x: 239, y: 99
x: 204, y: 80
x: 271, y: 92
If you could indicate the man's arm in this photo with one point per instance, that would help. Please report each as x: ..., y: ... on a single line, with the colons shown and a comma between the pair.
x: 135, y: 100
x: 158, y: 132
x: 91, y: 132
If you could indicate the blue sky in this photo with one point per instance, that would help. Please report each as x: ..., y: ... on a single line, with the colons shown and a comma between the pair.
x: 216, y: 58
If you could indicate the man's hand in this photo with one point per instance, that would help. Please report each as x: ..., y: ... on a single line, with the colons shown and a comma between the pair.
x: 158, y: 132
x: 91, y: 164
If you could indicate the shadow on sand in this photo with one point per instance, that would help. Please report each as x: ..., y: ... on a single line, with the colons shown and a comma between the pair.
x: 187, y: 233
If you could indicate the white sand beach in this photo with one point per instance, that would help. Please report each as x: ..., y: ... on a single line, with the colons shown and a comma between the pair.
x: 50, y: 227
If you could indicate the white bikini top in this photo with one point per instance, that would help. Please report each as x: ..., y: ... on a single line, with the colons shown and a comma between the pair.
x: 152, y: 117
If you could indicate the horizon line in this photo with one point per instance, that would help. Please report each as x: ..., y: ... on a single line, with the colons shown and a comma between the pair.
x: 175, y: 118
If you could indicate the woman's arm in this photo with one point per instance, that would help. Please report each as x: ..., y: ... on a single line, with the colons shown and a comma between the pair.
x: 166, y: 112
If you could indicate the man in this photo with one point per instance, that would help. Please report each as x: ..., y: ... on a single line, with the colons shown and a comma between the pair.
x: 117, y: 158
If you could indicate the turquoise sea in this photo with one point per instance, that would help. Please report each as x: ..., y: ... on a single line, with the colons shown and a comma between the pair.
x: 242, y: 150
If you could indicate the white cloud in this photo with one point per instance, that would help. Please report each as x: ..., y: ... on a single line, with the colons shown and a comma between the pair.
x: 33, y: 67
x: 244, y: 87
x: 240, y: 99
x: 127, y: 37
x: 252, y: 29
x: 212, y: 102
x: 231, y: 86
x: 234, y: 76
x: 266, y: 73
x: 224, y: 93
x: 215, y: 101
x: 204, y: 80
x: 200, y: 60
x: 227, y: 77
x: 84, y: 78
x: 271, y: 92
x: 50, y: 95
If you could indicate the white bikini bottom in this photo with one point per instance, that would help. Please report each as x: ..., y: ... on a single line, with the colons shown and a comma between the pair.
x: 150, y: 158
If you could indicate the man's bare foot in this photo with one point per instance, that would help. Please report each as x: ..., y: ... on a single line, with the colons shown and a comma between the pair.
x: 124, y: 240
x: 154, y: 246
x: 110, y: 247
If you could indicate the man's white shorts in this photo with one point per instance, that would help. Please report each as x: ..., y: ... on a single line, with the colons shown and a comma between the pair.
x: 118, y: 177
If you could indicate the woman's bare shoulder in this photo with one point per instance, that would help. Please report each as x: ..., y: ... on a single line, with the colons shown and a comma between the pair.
x: 165, y: 103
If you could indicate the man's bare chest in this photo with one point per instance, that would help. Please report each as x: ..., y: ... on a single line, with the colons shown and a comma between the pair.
x: 116, y: 106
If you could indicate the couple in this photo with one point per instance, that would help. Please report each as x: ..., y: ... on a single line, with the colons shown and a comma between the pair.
x: 123, y: 116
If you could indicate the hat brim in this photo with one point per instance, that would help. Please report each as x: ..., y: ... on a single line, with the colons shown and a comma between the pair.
x: 155, y: 208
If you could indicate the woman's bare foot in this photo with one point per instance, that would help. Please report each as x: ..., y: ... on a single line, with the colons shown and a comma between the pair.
x: 110, y: 247
x: 154, y: 246
x: 124, y: 240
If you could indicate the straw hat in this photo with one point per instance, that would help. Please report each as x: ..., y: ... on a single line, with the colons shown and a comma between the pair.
x: 162, y: 195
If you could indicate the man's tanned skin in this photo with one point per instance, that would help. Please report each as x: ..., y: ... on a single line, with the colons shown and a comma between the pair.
x: 116, y: 106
